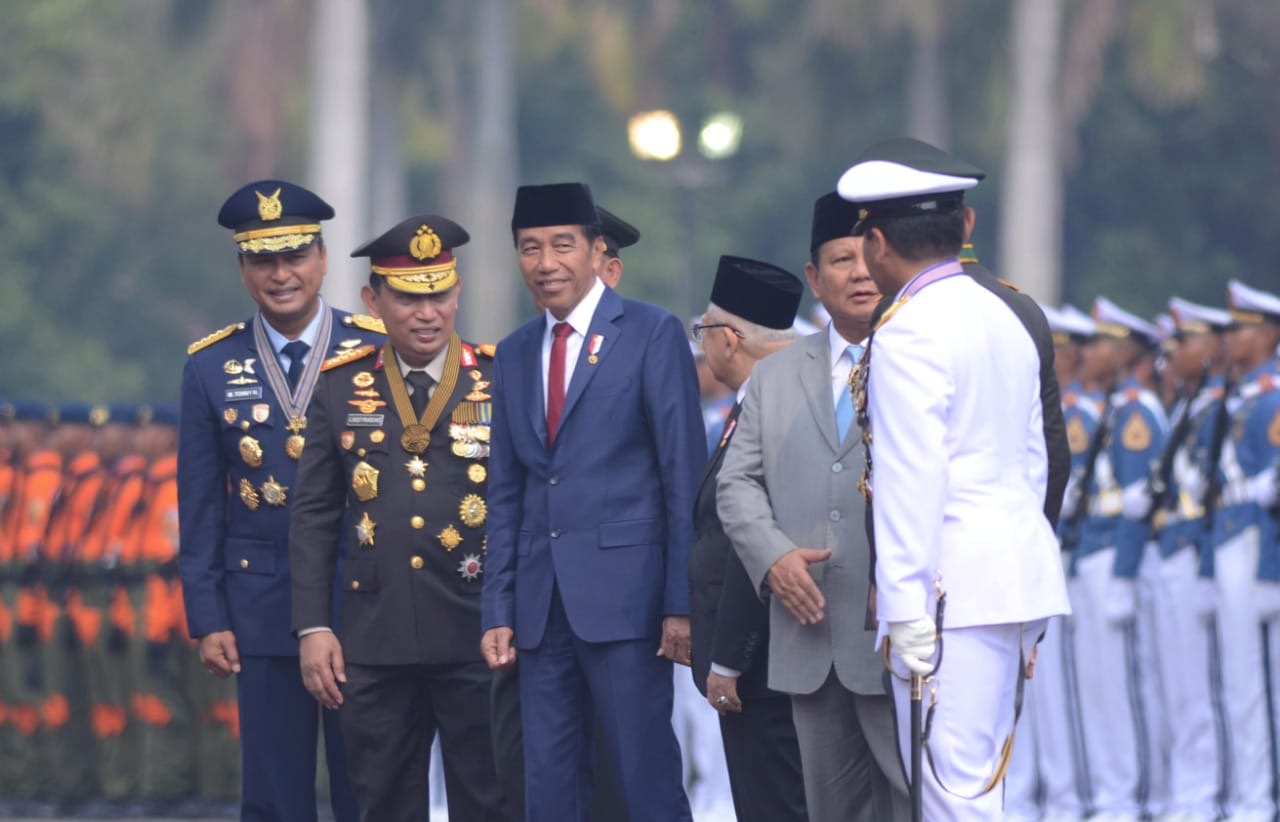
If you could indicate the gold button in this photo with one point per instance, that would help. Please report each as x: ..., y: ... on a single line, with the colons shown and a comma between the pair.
x: 244, y: 563
x: 360, y: 452
x: 419, y: 484
x: 355, y: 585
x: 416, y: 563
x: 417, y: 522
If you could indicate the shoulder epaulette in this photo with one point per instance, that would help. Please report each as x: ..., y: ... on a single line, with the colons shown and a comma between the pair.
x: 220, y: 334
x: 1008, y: 284
x: 350, y: 355
x: 489, y: 350
x: 366, y: 322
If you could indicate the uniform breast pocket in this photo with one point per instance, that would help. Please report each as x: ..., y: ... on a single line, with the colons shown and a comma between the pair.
x: 251, y: 556
x: 621, y: 533
x: 360, y: 575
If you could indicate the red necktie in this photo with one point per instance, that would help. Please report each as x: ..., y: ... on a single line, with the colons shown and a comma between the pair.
x: 555, y: 379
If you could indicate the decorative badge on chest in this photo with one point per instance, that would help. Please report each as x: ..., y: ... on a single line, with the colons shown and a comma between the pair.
x: 293, y: 445
x: 469, y: 568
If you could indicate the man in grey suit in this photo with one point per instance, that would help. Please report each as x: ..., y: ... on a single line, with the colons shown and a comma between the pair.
x: 789, y: 502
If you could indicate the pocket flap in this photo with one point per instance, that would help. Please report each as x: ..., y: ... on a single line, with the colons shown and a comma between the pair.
x: 251, y: 556
x: 360, y: 575
x: 632, y: 532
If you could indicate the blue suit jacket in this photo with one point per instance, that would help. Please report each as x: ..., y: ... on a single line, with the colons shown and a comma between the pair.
x: 605, y: 515
x: 235, y: 561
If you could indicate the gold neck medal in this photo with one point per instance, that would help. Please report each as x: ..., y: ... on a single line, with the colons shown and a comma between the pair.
x: 294, y: 403
x: 417, y: 432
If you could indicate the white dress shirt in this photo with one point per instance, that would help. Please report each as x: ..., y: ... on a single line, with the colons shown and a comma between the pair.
x: 580, y: 320
x: 841, y: 365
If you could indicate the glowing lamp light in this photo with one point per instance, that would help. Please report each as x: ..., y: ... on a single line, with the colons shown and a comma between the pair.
x: 654, y: 135
x: 721, y: 135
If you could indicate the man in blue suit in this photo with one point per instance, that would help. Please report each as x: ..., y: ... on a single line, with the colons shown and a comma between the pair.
x: 245, y: 392
x: 596, y: 447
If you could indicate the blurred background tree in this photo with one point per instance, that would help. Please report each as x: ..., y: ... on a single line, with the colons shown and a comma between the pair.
x: 1151, y: 128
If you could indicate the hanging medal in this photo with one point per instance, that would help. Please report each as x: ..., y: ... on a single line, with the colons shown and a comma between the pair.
x: 294, y: 403
x: 417, y: 432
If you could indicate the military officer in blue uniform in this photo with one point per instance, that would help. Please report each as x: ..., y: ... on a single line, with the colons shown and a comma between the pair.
x: 245, y: 392
x: 1114, y: 537
x: 400, y: 439
x: 1245, y: 556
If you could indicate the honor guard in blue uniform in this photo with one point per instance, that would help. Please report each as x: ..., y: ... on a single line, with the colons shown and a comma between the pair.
x: 1119, y: 711
x: 1195, y: 369
x: 1047, y: 775
x: 399, y: 439
x: 245, y: 392
x: 1246, y: 557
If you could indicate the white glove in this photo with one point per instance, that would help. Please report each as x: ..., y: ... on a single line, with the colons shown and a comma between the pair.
x: 1204, y: 599
x: 1193, y: 484
x: 915, y: 642
x: 1262, y: 488
x: 1268, y: 601
x: 1136, y: 501
x: 1122, y: 601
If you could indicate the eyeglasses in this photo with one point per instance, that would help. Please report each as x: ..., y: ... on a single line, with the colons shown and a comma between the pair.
x: 697, y: 329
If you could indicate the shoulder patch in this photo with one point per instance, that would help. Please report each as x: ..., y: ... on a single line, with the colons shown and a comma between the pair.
x: 1008, y: 284
x: 1136, y: 435
x: 489, y: 350
x: 1273, y: 430
x: 1077, y: 436
x: 210, y: 339
x: 350, y: 355
x: 365, y: 322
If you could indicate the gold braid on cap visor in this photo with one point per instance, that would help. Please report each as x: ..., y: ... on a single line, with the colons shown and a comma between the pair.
x: 426, y: 279
x: 276, y: 238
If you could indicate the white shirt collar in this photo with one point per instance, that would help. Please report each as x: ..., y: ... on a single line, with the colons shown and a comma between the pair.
x: 580, y: 317
x: 308, y: 335
x: 742, y: 390
x: 838, y: 344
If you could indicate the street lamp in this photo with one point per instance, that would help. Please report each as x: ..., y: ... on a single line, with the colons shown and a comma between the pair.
x: 656, y: 136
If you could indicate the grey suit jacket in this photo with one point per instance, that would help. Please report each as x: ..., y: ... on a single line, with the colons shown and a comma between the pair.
x: 788, y: 482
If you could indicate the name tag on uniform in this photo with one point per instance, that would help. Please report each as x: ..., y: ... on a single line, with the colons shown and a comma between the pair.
x: 364, y: 420
x: 241, y: 394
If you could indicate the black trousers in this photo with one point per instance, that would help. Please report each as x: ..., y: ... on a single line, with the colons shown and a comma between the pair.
x: 508, y: 749
x: 763, y: 756
x: 389, y: 715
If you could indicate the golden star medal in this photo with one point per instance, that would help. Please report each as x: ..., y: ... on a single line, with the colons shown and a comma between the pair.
x: 294, y: 403
x: 417, y: 432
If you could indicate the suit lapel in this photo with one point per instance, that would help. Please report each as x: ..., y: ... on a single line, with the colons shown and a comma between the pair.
x: 532, y: 374
x: 815, y: 378
x: 605, y: 324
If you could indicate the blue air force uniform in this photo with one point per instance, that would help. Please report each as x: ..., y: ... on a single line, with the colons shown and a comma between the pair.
x: 1246, y: 565
x: 238, y: 460
x: 1107, y: 591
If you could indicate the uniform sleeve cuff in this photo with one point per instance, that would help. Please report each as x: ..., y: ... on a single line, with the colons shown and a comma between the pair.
x: 314, y: 630
x: 720, y: 670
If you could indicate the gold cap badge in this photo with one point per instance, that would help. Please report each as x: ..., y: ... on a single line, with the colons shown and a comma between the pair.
x: 269, y: 208
x: 425, y: 244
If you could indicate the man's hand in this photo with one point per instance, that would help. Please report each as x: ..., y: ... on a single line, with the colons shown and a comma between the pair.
x: 218, y: 653
x: 915, y: 641
x: 723, y: 686
x: 790, y: 581
x: 497, y: 648
x: 322, y: 667
x: 675, y: 639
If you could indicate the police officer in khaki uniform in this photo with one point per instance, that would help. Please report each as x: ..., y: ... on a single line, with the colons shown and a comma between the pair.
x: 392, y: 486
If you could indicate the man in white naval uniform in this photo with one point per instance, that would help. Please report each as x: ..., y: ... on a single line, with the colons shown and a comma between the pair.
x: 959, y: 472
